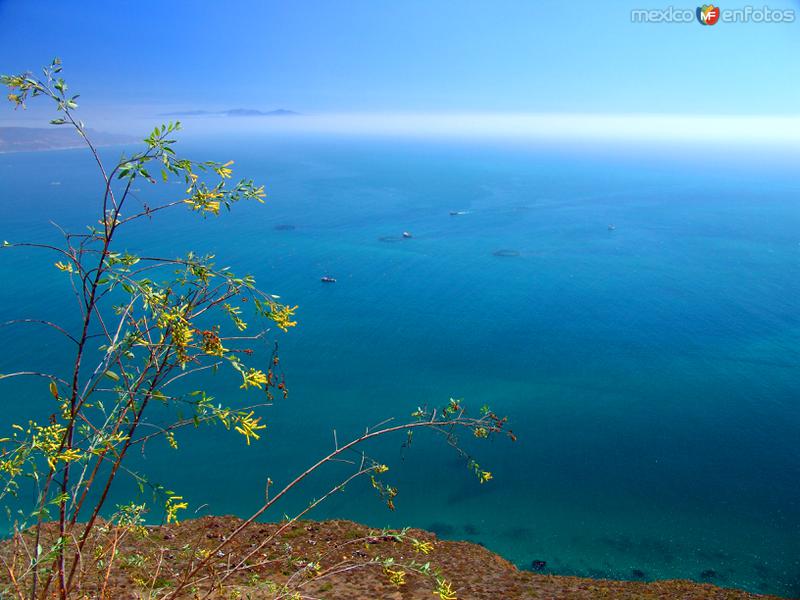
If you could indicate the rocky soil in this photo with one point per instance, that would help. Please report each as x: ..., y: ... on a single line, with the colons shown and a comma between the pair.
x: 148, y: 565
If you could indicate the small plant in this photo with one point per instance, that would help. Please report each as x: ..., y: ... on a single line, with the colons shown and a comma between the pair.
x: 154, y: 321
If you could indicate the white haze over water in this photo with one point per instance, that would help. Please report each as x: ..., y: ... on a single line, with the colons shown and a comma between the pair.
x: 783, y: 131
x: 541, y: 126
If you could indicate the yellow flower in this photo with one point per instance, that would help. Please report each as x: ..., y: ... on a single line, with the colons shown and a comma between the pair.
x: 11, y: 466
x: 282, y: 316
x: 424, y: 547
x: 205, y: 201
x: 70, y: 455
x: 444, y: 589
x: 248, y: 426
x: 253, y: 378
x: 484, y: 476
x: 180, y: 330
x: 396, y: 577
x: 172, y: 506
x: 259, y: 194
x: 480, y: 432
x: 223, y: 171
x: 212, y: 344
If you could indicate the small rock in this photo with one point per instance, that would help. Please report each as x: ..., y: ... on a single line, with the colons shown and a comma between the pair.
x: 538, y: 565
x: 506, y: 253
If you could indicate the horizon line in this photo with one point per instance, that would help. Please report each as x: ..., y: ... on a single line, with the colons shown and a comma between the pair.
x: 642, y: 126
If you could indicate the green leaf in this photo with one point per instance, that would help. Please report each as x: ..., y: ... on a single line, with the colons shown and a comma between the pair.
x: 112, y: 375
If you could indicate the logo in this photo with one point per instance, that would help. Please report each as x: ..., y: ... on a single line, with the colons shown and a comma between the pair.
x: 708, y: 14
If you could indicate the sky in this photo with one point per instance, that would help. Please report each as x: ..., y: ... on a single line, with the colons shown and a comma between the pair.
x: 419, y: 57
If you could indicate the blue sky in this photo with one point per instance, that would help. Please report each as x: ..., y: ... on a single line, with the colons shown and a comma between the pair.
x: 416, y: 55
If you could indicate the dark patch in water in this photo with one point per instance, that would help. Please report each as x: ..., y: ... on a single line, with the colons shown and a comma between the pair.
x: 622, y: 543
x: 664, y: 550
x: 762, y: 571
x: 519, y: 533
x: 643, y: 547
x: 708, y: 574
x: 538, y: 565
x: 471, y: 529
x: 285, y: 227
x: 637, y: 574
x: 712, y: 556
x: 506, y: 253
x: 441, y: 529
x: 467, y: 491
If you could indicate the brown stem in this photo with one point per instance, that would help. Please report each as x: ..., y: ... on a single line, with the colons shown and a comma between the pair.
x: 370, y: 434
x: 115, y: 467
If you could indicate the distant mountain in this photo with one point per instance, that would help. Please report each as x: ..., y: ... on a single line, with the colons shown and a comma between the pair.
x: 188, y: 113
x: 22, y: 139
x: 233, y: 112
x: 281, y: 112
x: 243, y: 112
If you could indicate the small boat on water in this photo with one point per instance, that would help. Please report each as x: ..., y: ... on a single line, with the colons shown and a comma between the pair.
x: 612, y: 227
x: 407, y: 234
x: 327, y: 279
x: 455, y: 213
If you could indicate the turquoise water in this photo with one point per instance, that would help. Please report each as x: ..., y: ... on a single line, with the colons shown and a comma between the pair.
x: 651, y: 372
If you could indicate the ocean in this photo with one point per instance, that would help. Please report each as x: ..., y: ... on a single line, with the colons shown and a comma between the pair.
x: 651, y: 370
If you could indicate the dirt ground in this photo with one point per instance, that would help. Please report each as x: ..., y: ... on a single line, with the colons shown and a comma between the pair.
x: 334, y: 560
